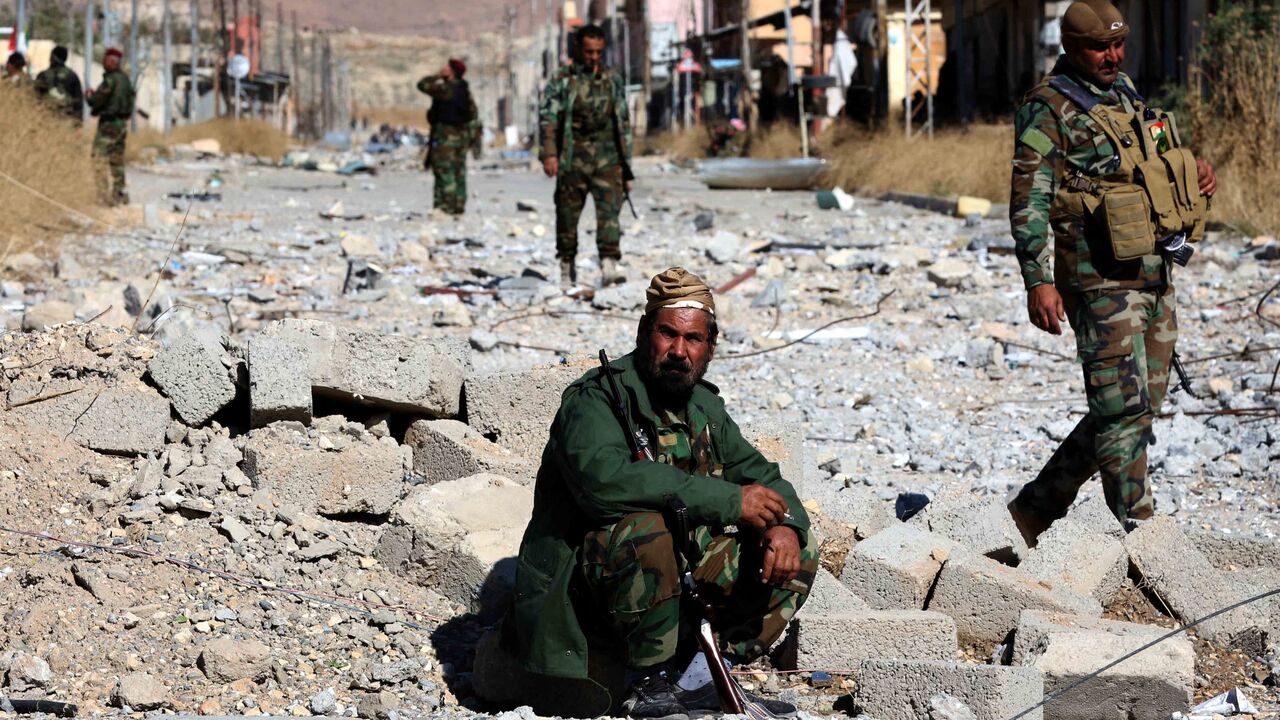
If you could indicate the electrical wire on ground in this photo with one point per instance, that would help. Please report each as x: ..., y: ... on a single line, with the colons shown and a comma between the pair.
x: 344, y: 603
x: 813, y: 332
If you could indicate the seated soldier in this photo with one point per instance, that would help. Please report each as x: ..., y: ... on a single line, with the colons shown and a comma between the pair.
x: 597, y: 558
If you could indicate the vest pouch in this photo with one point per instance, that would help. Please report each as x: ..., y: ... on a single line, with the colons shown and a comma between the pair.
x: 1127, y: 211
x: 1166, y: 211
x: 1186, y: 184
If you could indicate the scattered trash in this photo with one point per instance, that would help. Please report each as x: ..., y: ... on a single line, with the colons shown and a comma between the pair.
x: 908, y: 504
x: 357, y: 166
x: 336, y: 211
x: 197, y: 196
x: 704, y: 221
x: 835, y: 199
x: 361, y: 275
x: 1231, y: 702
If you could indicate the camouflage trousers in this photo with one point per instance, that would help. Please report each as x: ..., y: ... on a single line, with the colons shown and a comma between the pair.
x: 108, y: 149
x: 449, y: 167
x: 629, y: 571
x: 600, y: 176
x: 1125, y: 340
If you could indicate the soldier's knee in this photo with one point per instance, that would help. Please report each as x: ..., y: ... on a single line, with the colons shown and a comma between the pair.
x: 644, y: 539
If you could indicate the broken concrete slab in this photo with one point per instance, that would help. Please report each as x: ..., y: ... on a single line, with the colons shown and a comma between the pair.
x: 1066, y: 648
x: 279, y: 378
x: 844, y: 640
x: 1184, y: 579
x: 124, y: 421
x: 446, y: 450
x: 516, y: 409
x: 895, y: 568
x: 1092, y: 513
x: 985, y: 598
x: 460, y: 537
x: 902, y: 689
x: 191, y: 374
x: 1229, y: 552
x: 983, y: 525
x: 1070, y: 554
x: 781, y: 443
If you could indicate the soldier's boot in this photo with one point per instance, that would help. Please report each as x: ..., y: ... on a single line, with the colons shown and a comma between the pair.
x: 1030, y: 524
x: 610, y: 274
x: 568, y: 274
x: 651, y: 696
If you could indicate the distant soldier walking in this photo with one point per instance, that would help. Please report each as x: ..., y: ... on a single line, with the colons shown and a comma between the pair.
x: 60, y: 85
x: 112, y: 104
x: 586, y: 142
x: 1110, y: 175
x: 455, y: 128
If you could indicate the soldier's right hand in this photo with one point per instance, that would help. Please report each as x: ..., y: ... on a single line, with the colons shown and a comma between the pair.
x: 551, y: 166
x: 762, y: 508
x: 1045, y: 309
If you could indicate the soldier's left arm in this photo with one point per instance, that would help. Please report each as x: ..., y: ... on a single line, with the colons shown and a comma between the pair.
x: 624, y: 117
x: 745, y: 465
x: 1038, y: 149
x: 474, y: 126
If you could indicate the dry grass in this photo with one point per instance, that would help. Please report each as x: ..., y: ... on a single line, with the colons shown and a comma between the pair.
x: 248, y: 137
x: 676, y: 144
x: 396, y: 116
x: 956, y: 162
x: 52, y: 156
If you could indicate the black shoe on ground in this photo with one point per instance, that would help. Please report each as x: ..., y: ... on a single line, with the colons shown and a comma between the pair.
x: 704, y: 700
x: 652, y: 697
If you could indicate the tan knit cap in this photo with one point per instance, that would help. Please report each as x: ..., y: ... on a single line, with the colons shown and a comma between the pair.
x: 678, y: 288
x: 1096, y: 20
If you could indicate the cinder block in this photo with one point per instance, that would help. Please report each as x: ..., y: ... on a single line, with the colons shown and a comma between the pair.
x: 283, y: 359
x: 1070, y: 554
x: 980, y: 524
x: 124, y: 421
x: 895, y: 568
x: 1092, y: 512
x: 446, y: 450
x: 191, y: 374
x: 901, y: 689
x: 516, y: 409
x: 842, y: 641
x: 1066, y: 648
x: 1192, y: 587
x: 829, y: 597
x: 985, y: 598
x: 1230, y: 552
x: 394, y: 372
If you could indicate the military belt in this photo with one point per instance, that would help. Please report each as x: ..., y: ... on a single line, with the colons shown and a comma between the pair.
x: 1076, y: 181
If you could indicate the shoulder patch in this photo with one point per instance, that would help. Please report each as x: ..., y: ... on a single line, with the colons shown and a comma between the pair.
x: 1036, y: 140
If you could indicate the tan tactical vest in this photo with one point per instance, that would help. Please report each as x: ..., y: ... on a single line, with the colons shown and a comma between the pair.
x: 1147, y: 194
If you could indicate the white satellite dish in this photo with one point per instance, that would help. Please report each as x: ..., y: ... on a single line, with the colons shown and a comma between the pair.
x: 238, y: 67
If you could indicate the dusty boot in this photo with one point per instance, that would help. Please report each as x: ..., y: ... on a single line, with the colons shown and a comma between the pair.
x: 568, y: 275
x: 652, y: 697
x: 1030, y: 525
x: 609, y: 273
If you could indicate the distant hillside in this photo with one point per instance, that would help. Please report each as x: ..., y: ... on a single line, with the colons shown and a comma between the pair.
x: 446, y: 19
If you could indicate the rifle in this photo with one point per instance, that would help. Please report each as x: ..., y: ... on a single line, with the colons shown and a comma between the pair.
x: 627, y: 175
x: 1184, y: 381
x: 636, y: 440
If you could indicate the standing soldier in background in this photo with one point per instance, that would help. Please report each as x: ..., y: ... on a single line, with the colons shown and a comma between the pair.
x: 1109, y: 174
x: 60, y: 85
x: 455, y: 128
x: 112, y: 104
x: 586, y: 143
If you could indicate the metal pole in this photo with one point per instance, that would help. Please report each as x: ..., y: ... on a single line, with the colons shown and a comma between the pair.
x: 20, y: 31
x: 88, y: 55
x: 280, y: 37
x: 193, y: 90
x: 108, y: 39
x: 745, y: 99
x: 295, y: 73
x: 791, y: 79
x: 235, y: 101
x: 133, y: 55
x: 220, y: 55
x: 166, y: 73
x: 928, y: 65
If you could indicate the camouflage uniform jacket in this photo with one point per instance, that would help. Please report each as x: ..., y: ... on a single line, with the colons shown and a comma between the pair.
x: 588, y: 480
x: 1054, y: 138
x: 563, y: 92
x: 61, y: 87
x: 466, y: 134
x: 113, y: 100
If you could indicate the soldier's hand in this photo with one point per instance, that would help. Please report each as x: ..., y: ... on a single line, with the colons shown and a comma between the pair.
x: 1044, y: 308
x: 1208, y: 178
x: 551, y: 166
x: 781, y: 556
x: 629, y: 184
x: 762, y: 508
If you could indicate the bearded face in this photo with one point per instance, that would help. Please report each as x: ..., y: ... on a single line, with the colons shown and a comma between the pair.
x: 675, y: 347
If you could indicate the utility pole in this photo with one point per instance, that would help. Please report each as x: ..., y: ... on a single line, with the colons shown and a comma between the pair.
x: 133, y: 55
x: 326, y: 85
x: 295, y: 74
x: 235, y: 27
x: 221, y: 39
x: 745, y: 98
x: 646, y: 62
x: 20, y: 31
x: 511, y: 68
x: 315, y: 96
x: 166, y: 72
x: 280, y: 67
x: 193, y: 89
x: 88, y: 56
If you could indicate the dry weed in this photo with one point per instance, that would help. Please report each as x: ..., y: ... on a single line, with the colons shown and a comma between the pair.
x: 396, y: 116
x: 956, y: 162
x: 247, y: 137
x: 677, y: 144
x: 49, y: 154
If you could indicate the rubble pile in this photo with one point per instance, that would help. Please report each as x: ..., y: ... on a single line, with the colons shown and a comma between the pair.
x: 265, y: 495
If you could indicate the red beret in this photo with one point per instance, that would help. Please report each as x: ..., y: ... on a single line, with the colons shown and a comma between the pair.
x: 459, y: 67
x: 113, y: 51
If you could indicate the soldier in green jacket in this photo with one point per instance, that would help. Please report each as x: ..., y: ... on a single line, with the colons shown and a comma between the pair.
x: 1108, y: 173
x: 60, y: 85
x: 112, y: 104
x: 586, y: 141
x: 598, y: 534
x: 455, y: 128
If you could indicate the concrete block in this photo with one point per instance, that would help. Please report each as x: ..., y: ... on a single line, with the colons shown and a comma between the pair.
x: 446, y: 450
x: 985, y: 597
x: 980, y: 524
x: 191, y: 374
x: 1092, y: 513
x: 895, y: 568
x: 393, y: 372
x: 1191, y: 586
x: 902, y: 689
x: 280, y: 374
x: 461, y: 537
x: 781, y: 443
x: 842, y: 641
x: 829, y: 597
x: 362, y: 477
x: 499, y: 678
x: 1065, y: 648
x: 124, y: 421
x: 1070, y: 554
x: 516, y: 409
x: 67, y: 401
x: 1229, y: 552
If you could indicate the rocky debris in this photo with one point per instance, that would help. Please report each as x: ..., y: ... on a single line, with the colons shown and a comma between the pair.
x: 1069, y: 554
x: 902, y: 689
x: 47, y: 314
x: 191, y: 373
x: 1066, y: 648
x: 141, y: 691
x: 896, y: 568
x: 844, y: 640
x: 980, y: 524
x: 227, y: 660
x: 28, y: 671
x: 461, y: 537
x: 516, y: 410
x: 949, y: 272
x: 446, y: 450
